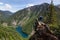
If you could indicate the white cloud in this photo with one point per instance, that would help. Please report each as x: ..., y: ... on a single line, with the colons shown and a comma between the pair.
x: 28, y: 5
x: 1, y: 3
x: 5, y: 6
x: 8, y: 6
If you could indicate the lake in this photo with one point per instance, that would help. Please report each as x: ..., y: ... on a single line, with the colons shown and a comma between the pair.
x: 19, y: 30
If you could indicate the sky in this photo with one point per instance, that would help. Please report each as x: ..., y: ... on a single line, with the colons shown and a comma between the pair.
x: 15, y: 5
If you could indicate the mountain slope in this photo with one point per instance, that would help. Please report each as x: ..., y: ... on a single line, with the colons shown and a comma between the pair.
x: 7, y: 33
x: 26, y: 17
x: 29, y: 12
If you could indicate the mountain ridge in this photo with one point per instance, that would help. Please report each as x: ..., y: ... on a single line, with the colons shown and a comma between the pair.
x: 4, y: 15
x: 27, y: 16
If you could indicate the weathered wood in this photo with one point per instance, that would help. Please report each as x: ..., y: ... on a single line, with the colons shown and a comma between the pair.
x: 42, y: 33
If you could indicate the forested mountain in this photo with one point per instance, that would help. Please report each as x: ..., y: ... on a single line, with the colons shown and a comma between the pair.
x: 4, y: 15
x: 27, y: 16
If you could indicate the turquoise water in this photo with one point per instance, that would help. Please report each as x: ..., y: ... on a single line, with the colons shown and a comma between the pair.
x: 23, y: 34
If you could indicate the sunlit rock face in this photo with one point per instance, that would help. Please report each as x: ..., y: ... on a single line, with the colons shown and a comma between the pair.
x: 14, y: 23
x: 5, y: 24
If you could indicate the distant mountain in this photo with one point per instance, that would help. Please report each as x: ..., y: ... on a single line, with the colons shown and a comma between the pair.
x: 26, y: 17
x: 58, y: 6
x: 8, y: 12
x: 4, y: 15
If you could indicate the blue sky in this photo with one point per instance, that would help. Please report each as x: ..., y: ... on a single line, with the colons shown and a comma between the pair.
x: 15, y: 5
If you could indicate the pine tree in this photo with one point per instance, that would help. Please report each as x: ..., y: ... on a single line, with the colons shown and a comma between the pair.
x: 52, y: 15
